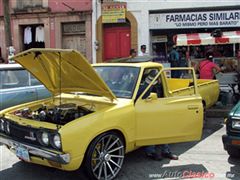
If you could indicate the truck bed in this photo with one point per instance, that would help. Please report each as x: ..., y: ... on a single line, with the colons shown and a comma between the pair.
x: 208, y: 89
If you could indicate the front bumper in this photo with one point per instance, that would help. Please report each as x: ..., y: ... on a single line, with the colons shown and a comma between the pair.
x: 63, y: 158
x: 229, y: 141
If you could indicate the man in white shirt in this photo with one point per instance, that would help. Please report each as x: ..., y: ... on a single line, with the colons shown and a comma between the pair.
x: 143, y: 51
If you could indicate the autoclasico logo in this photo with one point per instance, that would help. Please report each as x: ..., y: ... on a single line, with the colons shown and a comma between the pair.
x: 182, y: 174
x: 192, y: 174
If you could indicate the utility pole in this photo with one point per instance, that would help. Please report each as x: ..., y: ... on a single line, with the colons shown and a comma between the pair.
x: 7, y: 23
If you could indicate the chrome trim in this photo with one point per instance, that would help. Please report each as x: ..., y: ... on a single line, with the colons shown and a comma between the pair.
x: 59, y: 158
x: 235, y: 117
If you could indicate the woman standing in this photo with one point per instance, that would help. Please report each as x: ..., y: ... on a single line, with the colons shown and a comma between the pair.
x: 207, y: 68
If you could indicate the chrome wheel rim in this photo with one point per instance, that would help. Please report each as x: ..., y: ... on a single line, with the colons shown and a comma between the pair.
x: 107, y: 157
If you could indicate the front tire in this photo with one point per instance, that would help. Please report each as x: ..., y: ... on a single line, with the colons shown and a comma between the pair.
x: 105, y: 156
x: 233, y: 152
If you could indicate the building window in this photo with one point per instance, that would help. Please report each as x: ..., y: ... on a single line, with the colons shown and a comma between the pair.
x: 74, y: 36
x: 73, y: 28
x: 23, y: 4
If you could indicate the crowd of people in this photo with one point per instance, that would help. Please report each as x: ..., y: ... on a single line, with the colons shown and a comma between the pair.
x: 178, y: 57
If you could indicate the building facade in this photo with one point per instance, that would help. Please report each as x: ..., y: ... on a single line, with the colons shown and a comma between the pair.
x: 156, y: 23
x: 115, y: 32
x: 49, y: 24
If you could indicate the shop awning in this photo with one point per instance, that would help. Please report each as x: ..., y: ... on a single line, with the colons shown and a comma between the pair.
x: 196, y: 39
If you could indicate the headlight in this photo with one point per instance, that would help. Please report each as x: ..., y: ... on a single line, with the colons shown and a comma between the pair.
x: 50, y: 139
x: 2, y: 125
x: 57, y: 141
x: 45, y: 138
x: 236, y: 124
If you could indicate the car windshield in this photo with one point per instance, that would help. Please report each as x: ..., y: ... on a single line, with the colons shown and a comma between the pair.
x: 12, y: 78
x: 120, y: 79
x: 15, y: 78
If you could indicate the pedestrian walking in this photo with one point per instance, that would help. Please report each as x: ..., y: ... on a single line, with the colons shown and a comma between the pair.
x: 174, y: 61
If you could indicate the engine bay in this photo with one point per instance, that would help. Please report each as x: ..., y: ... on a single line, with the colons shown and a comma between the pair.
x: 58, y: 114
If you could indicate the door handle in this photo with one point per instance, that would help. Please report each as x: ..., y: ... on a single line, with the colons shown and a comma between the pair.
x: 192, y: 107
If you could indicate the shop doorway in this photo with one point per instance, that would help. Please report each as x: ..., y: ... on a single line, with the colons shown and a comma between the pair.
x: 159, y: 47
x: 117, y: 42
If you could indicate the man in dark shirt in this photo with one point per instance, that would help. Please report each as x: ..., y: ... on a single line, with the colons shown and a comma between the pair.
x: 174, y: 61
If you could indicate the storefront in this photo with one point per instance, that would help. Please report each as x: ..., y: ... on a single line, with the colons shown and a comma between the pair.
x: 61, y: 31
x: 30, y: 32
x: 196, y: 32
x: 165, y: 26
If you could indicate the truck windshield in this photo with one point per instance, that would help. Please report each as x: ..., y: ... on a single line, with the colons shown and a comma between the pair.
x: 120, y: 79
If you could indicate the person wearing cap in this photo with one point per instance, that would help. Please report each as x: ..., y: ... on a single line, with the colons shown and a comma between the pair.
x: 143, y: 50
x: 155, y: 152
x: 208, y: 69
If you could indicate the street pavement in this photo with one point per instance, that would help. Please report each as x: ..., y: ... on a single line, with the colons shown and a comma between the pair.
x: 199, y: 160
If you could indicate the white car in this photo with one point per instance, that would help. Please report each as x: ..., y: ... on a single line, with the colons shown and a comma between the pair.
x: 18, y: 86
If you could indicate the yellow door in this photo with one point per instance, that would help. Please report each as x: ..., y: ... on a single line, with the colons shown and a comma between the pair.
x: 168, y: 119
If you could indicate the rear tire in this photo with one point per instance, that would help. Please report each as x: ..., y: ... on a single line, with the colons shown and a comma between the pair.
x: 233, y: 152
x: 105, y: 156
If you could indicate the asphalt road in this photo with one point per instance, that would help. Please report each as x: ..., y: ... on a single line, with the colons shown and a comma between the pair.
x: 205, y: 158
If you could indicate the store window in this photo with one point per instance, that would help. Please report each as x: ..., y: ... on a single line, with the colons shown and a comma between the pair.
x: 23, y: 4
x: 33, y: 36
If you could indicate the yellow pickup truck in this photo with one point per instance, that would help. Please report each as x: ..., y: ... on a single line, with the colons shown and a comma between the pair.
x: 99, y: 113
x: 208, y: 89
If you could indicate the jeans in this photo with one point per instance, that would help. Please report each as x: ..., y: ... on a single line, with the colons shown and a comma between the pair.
x: 175, y: 73
x: 163, y: 148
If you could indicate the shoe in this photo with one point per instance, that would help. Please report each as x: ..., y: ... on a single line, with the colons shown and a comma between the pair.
x: 170, y: 156
x: 154, y: 156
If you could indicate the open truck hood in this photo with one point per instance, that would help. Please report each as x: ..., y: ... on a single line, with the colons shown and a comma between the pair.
x: 63, y: 71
